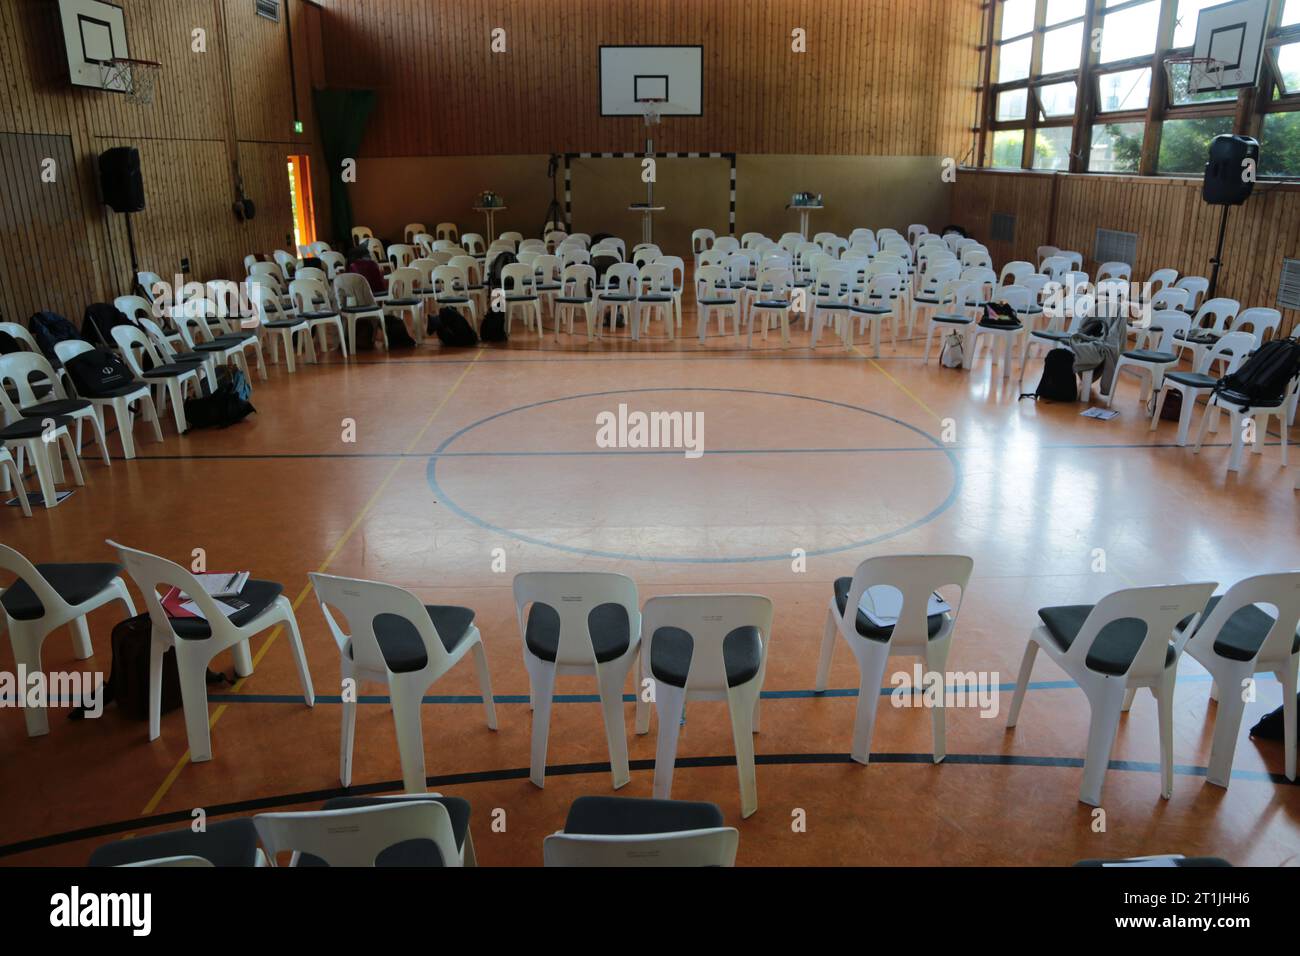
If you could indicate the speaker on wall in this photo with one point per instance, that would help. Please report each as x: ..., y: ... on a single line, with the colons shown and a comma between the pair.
x: 1229, y: 178
x: 120, y: 179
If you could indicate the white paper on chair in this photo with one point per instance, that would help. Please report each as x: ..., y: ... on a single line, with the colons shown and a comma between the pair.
x: 882, y: 604
x: 228, y: 608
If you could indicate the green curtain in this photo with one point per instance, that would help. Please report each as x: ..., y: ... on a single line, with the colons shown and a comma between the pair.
x: 342, y: 116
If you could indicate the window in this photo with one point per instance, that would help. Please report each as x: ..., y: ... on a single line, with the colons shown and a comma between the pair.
x: 1007, y: 148
x: 1052, y: 148
x: 1123, y: 91
x: 304, y: 215
x: 1098, y: 86
x: 1130, y: 32
x: 1184, y: 143
x: 1116, y: 147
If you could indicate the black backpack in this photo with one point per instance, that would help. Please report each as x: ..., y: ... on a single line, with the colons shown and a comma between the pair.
x: 128, y: 681
x: 1272, y: 725
x: 398, y: 337
x: 8, y: 344
x: 1264, y: 376
x: 49, y: 329
x: 98, y: 324
x: 454, y: 331
x: 493, y: 328
x: 220, y: 409
x: 502, y: 260
x: 99, y: 373
x: 1058, y: 383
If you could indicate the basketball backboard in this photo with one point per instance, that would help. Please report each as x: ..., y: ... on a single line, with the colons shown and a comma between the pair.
x: 669, y: 76
x: 1232, y: 35
x: 94, y: 33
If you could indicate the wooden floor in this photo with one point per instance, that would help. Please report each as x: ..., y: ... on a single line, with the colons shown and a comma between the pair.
x: 460, y: 453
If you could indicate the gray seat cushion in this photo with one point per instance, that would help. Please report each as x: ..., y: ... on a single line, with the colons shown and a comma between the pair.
x: 314, y: 316
x: 1151, y: 356
x: 75, y: 583
x: 407, y: 853
x: 947, y: 319
x: 175, y: 370
x: 771, y: 304
x: 259, y: 595
x: 1116, y: 645
x: 607, y: 624
x: 630, y: 816
x: 671, y: 650
x: 30, y: 428
x: 1243, y: 632
x: 655, y: 297
x: 1192, y: 379
x: 870, y: 310
x: 717, y: 301
x: 358, y: 309
x: 57, y: 408
x: 284, y: 324
x: 933, y: 623
x: 400, y: 643
x: 224, y: 843
x: 573, y: 299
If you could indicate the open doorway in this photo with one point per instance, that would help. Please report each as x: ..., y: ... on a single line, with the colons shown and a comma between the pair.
x: 304, y: 213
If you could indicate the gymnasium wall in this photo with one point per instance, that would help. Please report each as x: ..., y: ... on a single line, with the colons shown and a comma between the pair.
x: 865, y: 116
x: 232, y: 103
x: 1175, y: 228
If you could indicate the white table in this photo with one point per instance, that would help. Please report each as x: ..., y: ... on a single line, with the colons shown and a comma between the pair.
x: 489, y: 213
x: 804, y: 210
x: 647, y: 219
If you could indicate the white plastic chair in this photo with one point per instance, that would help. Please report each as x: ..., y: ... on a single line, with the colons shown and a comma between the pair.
x: 198, y: 640
x: 1260, y: 321
x: 311, y: 299
x: 404, y: 300
x: 170, y: 379
x: 516, y: 287
x: 16, y: 373
x: 576, y: 297
x: 714, y: 297
x: 1152, y: 364
x: 1212, y: 319
x: 618, y: 296
x: 916, y: 577
x: 46, y: 597
x: 690, y: 657
x: 1237, y: 639
x: 1196, y: 286
x: 627, y: 832
x: 281, y: 325
x: 579, y: 623
x: 394, y: 639
x: 775, y: 290
x: 358, y: 836
x: 1121, y: 642
x: 11, y: 479
x: 357, y: 301
x: 120, y: 400
x: 1240, y: 409
x: 1232, y: 348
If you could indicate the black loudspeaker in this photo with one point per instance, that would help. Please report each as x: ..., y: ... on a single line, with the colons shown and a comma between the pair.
x: 1229, y: 179
x: 120, y: 179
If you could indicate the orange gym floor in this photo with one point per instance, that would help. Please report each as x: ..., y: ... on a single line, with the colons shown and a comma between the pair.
x: 459, y: 453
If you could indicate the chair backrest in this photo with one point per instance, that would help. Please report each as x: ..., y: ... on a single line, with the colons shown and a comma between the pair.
x: 656, y: 278
x: 1016, y: 296
x: 1053, y: 265
x: 727, y: 244
x: 401, y: 254
x: 17, y: 565
x: 1197, y: 286
x: 709, y: 619
x: 711, y: 282
x: 621, y: 278
x: 413, y: 229
x: 311, y: 272
x: 1231, y: 349
x: 1280, y: 591
x: 403, y: 283
x: 268, y: 269
x: 715, y: 846
x: 531, y: 245
x: 578, y: 279
x: 836, y: 285
x: 473, y: 243
x: 775, y: 283
x: 1016, y: 270
x: 18, y: 370
x: 1170, y: 298
x: 447, y: 230
x: 132, y: 343
x: 335, y: 262
x: 751, y: 239
x: 886, y: 285
x: 365, y: 603
x: 546, y: 268
x: 1170, y: 321
x: 916, y: 577
x: 153, y: 574
x: 515, y: 276
x: 361, y: 233
x: 1114, y: 270
x: 310, y: 294
x: 1260, y: 321
x: 676, y: 269
x: 357, y: 837
x: 1216, y: 314
x: 572, y: 597
x: 69, y: 349
x: 739, y: 265
x: 21, y: 335
x: 352, y: 290
x: 512, y: 237
x: 1162, y: 279
x: 1159, y: 608
x: 473, y: 270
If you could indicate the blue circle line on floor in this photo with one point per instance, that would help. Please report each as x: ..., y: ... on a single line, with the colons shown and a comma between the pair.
x: 446, y: 500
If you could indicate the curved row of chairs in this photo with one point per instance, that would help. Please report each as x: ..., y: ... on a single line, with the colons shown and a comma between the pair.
x: 680, y: 648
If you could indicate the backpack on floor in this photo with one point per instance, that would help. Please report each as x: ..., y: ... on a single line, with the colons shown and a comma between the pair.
x: 1265, y: 375
x: 128, y: 679
x: 49, y: 329
x: 398, y: 337
x: 454, y: 329
x: 1270, y: 726
x: 99, y: 321
x: 953, y: 352
x: 1172, y: 409
x: 232, y: 378
x: 98, y: 373
x: 220, y: 409
x: 1059, y: 383
x: 493, y: 328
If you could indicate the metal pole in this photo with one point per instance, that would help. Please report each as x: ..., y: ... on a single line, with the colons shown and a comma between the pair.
x: 1217, y: 261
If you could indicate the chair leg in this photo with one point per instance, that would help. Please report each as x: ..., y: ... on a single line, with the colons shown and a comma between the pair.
x: 639, y: 671
x: 299, y: 655
x: 26, y: 644
x: 348, y: 729
x: 610, y: 681
x: 541, y: 681
x: 125, y: 425
x: 1238, y: 440
x: 1128, y: 699
x: 1022, y: 682
x: 81, y: 646
x: 1105, y: 702
x: 936, y: 662
x: 73, y: 461
x: 827, y: 653
x: 485, y: 684
x: 1287, y: 675
x: 872, y: 658
x: 670, y: 702
x: 1205, y: 426
x: 157, y: 649
x: 100, y: 440
x: 741, y: 702
x: 410, y: 737
x: 193, y: 667
x: 151, y: 411
x: 1227, y: 726
x: 1165, y: 708
x: 20, y: 491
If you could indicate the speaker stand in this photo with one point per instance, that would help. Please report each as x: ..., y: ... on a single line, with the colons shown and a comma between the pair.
x: 1217, y: 261
x: 135, y: 262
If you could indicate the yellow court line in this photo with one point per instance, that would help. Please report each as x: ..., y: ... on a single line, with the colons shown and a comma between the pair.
x: 175, y: 772
x: 905, y: 390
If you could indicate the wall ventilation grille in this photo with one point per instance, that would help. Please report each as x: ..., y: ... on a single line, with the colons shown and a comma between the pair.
x: 269, y: 9
x: 1114, y: 246
x: 1288, y: 286
x: 1003, y: 227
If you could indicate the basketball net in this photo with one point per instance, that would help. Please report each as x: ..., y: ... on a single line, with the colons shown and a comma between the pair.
x: 1202, y: 72
x: 137, y: 79
x: 650, y: 109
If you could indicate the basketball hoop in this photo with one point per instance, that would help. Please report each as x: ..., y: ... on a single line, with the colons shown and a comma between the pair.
x: 135, y: 78
x: 650, y: 109
x: 1198, y: 74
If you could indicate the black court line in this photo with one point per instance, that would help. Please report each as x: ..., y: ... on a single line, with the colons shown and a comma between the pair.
x: 260, y: 804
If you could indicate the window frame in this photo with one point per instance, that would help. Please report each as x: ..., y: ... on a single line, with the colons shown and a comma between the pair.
x: 1247, y: 109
